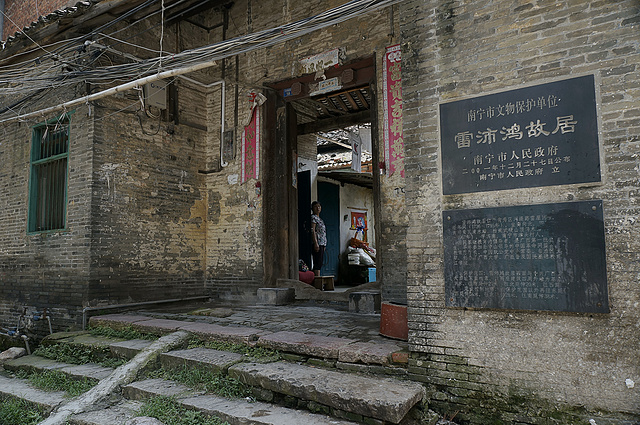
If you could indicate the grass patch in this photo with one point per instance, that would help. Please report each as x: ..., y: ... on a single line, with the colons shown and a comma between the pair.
x: 256, y: 354
x: 74, y: 354
x: 54, y: 380
x: 14, y: 411
x: 170, y: 412
x: 202, y: 379
x: 124, y: 333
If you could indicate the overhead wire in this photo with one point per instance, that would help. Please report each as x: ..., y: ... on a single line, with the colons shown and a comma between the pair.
x: 73, y: 43
x: 78, y: 41
x: 26, y: 35
x: 30, y: 85
x: 210, y: 53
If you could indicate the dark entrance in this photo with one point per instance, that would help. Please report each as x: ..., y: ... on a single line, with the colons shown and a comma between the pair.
x: 295, y: 117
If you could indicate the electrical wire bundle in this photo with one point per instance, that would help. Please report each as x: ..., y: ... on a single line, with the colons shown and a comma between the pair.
x: 50, y: 70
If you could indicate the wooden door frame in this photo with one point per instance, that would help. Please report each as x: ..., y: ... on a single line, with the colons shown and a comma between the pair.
x: 280, y: 218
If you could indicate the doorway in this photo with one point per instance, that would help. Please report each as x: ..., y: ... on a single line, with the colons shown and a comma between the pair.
x: 301, y: 121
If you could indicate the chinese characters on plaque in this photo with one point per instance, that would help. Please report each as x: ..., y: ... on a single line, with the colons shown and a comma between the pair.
x: 533, y: 257
x: 392, y: 104
x: 535, y: 136
x: 251, y: 147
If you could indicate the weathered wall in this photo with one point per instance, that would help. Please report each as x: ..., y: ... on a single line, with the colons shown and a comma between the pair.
x: 149, y: 210
x: 49, y: 269
x: 531, y: 365
x: 167, y: 219
x: 234, y: 215
x: 361, y: 37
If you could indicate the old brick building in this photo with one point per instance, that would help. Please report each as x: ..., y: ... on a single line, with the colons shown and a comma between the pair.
x: 132, y: 196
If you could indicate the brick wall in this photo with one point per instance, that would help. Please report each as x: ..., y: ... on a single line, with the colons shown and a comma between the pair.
x: 149, y: 205
x: 166, y: 219
x: 519, y: 366
x: 44, y: 270
x: 235, y: 210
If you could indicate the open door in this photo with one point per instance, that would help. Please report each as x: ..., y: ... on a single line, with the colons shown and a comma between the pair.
x: 304, y: 216
x: 329, y: 198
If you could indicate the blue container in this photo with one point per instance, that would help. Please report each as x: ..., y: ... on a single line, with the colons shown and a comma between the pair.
x: 372, y: 274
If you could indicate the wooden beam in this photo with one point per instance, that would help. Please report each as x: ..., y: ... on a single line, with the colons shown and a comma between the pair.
x: 343, y: 106
x: 362, y: 99
x: 364, y: 74
x: 335, y: 123
x: 353, y: 103
x: 329, y: 108
x: 105, y: 7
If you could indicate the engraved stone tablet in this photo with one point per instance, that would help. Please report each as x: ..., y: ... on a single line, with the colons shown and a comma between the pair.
x: 542, y: 135
x: 533, y: 257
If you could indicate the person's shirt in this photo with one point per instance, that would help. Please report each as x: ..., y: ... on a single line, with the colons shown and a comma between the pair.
x: 321, y: 230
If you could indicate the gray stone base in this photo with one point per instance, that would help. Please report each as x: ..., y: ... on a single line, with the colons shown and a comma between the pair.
x: 364, y: 302
x: 276, y: 296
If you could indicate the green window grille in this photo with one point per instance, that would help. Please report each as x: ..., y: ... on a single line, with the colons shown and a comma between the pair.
x: 48, y: 186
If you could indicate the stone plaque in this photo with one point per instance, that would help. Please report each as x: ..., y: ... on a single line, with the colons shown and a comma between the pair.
x: 533, y: 257
x: 542, y: 135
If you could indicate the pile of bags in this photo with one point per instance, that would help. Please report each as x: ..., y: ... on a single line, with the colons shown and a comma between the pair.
x: 360, y: 253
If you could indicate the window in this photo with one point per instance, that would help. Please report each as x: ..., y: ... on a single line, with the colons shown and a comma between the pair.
x: 48, y: 185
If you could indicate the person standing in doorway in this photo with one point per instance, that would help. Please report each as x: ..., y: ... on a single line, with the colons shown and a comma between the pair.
x: 319, y: 237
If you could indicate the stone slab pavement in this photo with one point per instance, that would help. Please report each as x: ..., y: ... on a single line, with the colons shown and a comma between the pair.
x: 324, y: 332
x: 328, y: 321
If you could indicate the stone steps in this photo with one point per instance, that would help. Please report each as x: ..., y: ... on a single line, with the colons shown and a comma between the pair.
x: 128, y: 349
x: 218, y: 361
x: 384, y: 399
x: 115, y: 347
x: 79, y: 338
x: 332, y: 348
x: 33, y: 363
x: 118, y: 414
x: 236, y: 412
x: 326, y: 396
x: 20, y: 388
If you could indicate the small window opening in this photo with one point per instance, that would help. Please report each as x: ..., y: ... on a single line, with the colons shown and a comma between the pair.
x: 48, y: 188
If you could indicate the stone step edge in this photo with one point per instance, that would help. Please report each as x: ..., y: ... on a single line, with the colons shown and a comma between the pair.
x: 386, y: 399
x: 117, y: 414
x: 90, y: 371
x: 21, y: 389
x: 118, y: 347
x: 234, y: 411
x: 342, y: 349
